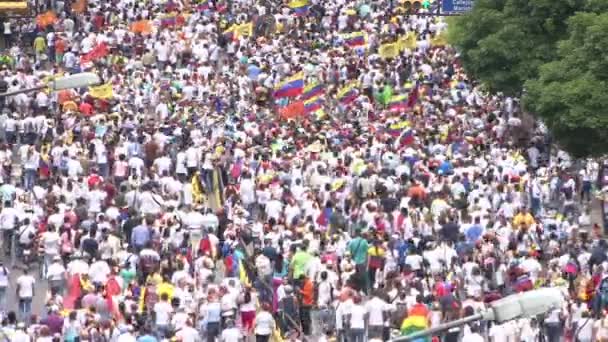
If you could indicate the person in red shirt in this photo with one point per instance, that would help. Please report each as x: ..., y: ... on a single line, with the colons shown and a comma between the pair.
x: 419, y: 309
x: 98, y: 21
x: 86, y: 108
x: 94, y: 179
x: 60, y: 47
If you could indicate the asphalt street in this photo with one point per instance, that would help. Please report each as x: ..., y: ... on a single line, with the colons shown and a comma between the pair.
x: 40, y: 290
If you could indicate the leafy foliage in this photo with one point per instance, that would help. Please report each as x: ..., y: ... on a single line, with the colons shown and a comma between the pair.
x: 503, y: 42
x: 555, y: 52
x: 570, y: 92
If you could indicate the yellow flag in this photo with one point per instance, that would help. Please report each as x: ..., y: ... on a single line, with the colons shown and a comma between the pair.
x: 439, y: 40
x: 102, y: 92
x: 390, y: 50
x: 276, y: 336
x: 197, y: 191
x: 407, y: 41
x: 298, y: 3
x: 243, y: 275
x: 245, y: 30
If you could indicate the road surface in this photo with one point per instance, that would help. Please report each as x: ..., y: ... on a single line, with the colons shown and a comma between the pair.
x: 38, y: 303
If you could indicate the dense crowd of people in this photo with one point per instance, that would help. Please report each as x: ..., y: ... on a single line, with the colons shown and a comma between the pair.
x: 254, y: 170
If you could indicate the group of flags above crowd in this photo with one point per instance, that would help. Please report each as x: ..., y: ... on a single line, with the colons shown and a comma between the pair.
x: 311, y: 94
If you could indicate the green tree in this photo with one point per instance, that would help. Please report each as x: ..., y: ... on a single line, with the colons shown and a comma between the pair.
x: 503, y: 42
x: 570, y: 92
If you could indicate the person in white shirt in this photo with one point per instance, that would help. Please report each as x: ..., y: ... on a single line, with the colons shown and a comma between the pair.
x: 472, y: 335
x: 99, y: 272
x: 264, y: 324
x: 231, y: 333
x: 188, y: 333
x: 377, y: 309
x: 126, y: 335
x: 20, y: 335
x: 56, y: 275
x: 357, y: 317
x: 4, y: 277
x: 77, y: 265
x: 584, y: 327
x: 51, y: 242
x: 528, y: 330
x: 162, y: 315
x: 25, y: 293
x: 95, y: 200
x: 8, y: 222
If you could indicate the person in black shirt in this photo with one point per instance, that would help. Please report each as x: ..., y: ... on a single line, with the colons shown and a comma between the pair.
x: 90, y: 244
x: 127, y: 228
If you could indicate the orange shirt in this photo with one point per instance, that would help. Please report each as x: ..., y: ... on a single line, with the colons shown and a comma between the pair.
x: 419, y: 310
x: 416, y: 191
x: 308, y: 293
x: 59, y: 46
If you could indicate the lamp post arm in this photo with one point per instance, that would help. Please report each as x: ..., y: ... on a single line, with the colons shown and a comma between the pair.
x: 21, y: 91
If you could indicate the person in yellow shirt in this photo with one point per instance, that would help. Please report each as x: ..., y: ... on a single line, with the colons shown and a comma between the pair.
x: 375, y: 260
x: 39, y: 46
x: 165, y: 287
x: 523, y: 219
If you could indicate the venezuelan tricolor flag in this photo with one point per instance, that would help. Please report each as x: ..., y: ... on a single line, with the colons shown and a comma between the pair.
x: 169, y: 20
x: 406, y: 138
x: 312, y: 90
x: 398, y: 103
x: 313, y: 105
x: 354, y: 39
x: 413, y: 324
x: 348, y: 94
x: 291, y: 87
x: 203, y: 6
x: 397, y: 128
x: 299, y: 7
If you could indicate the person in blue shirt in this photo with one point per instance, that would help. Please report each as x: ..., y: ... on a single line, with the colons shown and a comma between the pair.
x: 446, y: 168
x: 141, y: 235
x: 212, y: 321
x: 475, y: 231
x: 146, y: 336
x: 402, y: 247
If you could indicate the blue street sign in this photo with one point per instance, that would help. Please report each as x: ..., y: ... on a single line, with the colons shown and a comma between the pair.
x: 456, y: 6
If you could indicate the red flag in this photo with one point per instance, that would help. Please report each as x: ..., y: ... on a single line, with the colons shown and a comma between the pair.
x: 74, y: 292
x: 292, y: 110
x: 100, y: 51
x: 413, y: 97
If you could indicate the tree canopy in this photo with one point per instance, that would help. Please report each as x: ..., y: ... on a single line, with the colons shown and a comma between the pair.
x: 554, y: 50
x: 570, y: 93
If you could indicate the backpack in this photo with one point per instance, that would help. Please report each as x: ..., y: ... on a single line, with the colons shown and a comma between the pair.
x: 571, y: 269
